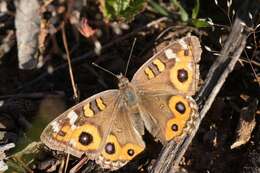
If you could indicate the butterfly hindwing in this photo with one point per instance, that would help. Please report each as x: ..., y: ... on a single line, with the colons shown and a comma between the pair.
x: 124, y: 141
x: 167, y: 116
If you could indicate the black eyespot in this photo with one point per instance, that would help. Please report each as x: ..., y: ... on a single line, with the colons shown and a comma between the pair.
x: 85, y: 138
x: 182, y: 75
x: 180, y: 107
x: 174, y: 127
x: 110, y: 148
x: 130, y: 152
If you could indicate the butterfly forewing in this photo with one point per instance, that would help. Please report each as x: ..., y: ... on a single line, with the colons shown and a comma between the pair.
x: 173, y: 69
x: 82, y: 128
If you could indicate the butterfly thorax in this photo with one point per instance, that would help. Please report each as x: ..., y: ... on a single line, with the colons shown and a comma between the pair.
x: 128, y: 92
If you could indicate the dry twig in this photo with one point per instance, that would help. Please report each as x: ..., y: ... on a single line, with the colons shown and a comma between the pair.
x: 75, y: 91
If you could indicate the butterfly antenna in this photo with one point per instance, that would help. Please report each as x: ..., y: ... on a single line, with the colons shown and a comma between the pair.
x: 105, y: 70
x: 130, y: 55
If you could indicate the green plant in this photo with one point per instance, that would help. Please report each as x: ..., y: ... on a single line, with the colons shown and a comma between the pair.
x: 194, y: 20
x: 185, y: 17
x: 123, y: 10
x: 159, y: 8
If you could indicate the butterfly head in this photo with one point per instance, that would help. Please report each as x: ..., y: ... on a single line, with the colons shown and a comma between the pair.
x: 123, y: 81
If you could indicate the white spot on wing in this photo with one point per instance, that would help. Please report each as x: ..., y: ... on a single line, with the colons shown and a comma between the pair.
x: 170, y: 54
x: 183, y: 44
x: 55, y: 126
x: 73, y: 116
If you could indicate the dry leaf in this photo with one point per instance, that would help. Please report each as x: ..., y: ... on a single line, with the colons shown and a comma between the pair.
x: 246, y: 124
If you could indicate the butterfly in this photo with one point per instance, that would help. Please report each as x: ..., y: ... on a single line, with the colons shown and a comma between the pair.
x: 108, y: 127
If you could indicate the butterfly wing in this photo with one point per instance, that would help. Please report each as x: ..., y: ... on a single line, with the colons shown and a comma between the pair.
x: 167, y: 116
x: 98, y: 127
x: 124, y: 141
x: 165, y: 83
x: 173, y: 69
x: 81, y: 128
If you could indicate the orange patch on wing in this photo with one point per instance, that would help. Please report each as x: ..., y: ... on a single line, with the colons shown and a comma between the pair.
x: 181, y: 86
x: 182, y: 63
x: 66, y: 130
x: 179, y: 119
x: 88, y: 128
x: 154, y: 68
x: 87, y: 111
x: 72, y: 136
x: 149, y: 73
x: 129, y: 151
x: 100, y: 104
x: 172, y: 104
x: 118, y: 150
x: 124, y: 153
x: 169, y: 133
x: 160, y: 65
x: 183, y: 58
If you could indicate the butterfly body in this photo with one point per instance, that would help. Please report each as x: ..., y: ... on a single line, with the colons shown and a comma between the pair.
x: 108, y: 127
x: 128, y: 91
